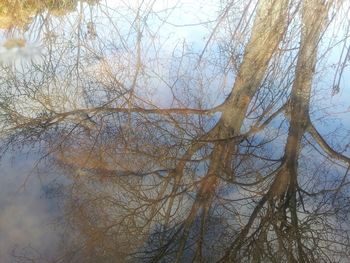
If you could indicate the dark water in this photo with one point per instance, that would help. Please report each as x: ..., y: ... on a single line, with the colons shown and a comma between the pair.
x: 155, y: 131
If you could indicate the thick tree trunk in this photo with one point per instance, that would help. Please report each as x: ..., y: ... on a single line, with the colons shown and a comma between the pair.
x: 267, y: 32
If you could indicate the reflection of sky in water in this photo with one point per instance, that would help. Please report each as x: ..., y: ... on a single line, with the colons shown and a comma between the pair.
x: 26, y: 214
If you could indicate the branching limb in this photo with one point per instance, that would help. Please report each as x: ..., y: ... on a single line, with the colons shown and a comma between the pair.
x: 325, y: 146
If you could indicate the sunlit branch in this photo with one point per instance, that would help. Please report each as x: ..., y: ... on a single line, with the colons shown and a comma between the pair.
x: 325, y: 146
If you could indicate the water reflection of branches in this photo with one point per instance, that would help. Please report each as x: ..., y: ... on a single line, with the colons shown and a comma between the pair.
x: 186, y: 183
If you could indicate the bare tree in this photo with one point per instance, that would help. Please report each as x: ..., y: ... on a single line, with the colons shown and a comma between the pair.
x: 191, y: 182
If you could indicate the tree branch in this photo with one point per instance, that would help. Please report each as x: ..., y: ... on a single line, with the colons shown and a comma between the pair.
x: 324, y: 145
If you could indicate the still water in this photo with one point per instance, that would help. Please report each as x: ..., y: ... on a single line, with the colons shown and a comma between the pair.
x: 161, y: 131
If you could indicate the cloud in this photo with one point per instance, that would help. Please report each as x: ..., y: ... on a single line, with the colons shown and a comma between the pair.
x: 25, y: 215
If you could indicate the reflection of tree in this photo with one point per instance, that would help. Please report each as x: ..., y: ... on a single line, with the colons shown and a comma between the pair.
x: 181, y: 184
